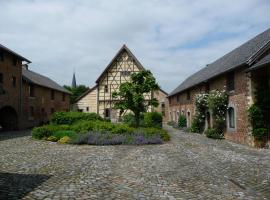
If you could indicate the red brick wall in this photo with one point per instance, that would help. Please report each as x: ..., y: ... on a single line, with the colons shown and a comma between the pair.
x: 238, y: 99
x: 12, y: 94
x: 41, y: 100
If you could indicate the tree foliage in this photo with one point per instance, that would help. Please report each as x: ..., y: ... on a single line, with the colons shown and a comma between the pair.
x: 76, y: 92
x: 131, y: 95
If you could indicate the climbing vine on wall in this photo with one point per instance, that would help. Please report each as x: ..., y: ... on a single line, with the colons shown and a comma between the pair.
x: 197, y: 124
x: 217, y: 102
x: 258, y: 112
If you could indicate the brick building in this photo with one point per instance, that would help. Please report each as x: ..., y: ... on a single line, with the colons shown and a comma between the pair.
x: 99, y: 98
x: 238, y: 72
x: 26, y: 98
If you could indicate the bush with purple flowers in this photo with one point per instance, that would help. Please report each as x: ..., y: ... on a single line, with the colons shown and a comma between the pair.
x: 106, y: 138
x: 98, y: 132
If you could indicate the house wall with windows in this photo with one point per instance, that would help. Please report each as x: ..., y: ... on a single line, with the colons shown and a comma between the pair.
x: 238, y: 129
x: 88, y: 101
x: 26, y: 98
x: 10, y: 88
x: 117, y: 72
x: 41, y: 102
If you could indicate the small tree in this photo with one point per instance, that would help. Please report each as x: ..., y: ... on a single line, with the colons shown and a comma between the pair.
x: 76, y: 92
x: 131, y: 95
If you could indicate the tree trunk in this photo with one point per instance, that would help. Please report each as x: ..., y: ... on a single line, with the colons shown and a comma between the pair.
x: 137, y: 119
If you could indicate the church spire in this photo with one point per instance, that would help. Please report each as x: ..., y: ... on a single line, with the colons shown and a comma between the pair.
x: 74, y: 85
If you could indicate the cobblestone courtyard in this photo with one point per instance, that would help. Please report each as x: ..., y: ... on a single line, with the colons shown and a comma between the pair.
x: 189, y: 167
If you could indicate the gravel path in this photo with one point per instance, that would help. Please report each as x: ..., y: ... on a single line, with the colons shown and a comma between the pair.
x: 191, y: 166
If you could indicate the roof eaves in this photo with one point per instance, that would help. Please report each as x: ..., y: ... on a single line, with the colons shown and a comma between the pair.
x: 14, y: 53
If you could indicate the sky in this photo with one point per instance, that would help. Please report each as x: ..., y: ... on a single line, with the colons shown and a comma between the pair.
x: 172, y: 38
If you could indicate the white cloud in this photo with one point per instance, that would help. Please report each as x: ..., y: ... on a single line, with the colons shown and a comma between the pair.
x: 172, y: 38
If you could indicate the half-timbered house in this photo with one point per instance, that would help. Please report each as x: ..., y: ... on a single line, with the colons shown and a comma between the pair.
x: 99, y: 98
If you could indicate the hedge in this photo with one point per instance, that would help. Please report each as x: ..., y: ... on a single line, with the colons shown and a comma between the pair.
x: 72, y: 117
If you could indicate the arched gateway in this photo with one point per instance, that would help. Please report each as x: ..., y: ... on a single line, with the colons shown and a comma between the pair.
x: 8, y: 118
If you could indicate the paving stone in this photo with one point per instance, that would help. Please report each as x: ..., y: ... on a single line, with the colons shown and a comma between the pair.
x: 190, y: 166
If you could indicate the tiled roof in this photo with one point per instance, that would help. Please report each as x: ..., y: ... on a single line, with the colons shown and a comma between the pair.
x: 41, y: 80
x: 238, y: 57
x: 265, y: 60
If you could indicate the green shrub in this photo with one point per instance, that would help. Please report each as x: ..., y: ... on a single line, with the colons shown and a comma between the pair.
x: 62, y: 133
x: 83, y: 126
x: 182, y: 121
x: 103, y: 126
x: 256, y: 117
x: 213, y: 133
x: 52, y: 139
x: 122, y: 129
x: 71, y: 117
x: 47, y: 130
x: 64, y: 140
x: 152, y: 119
x: 259, y: 133
x: 129, y: 119
x: 154, y: 131
x: 196, y: 125
x: 170, y: 123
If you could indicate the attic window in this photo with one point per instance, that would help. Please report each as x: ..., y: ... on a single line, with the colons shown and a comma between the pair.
x: 14, y: 61
x: 106, y: 88
x: 178, y: 98
x: 125, y: 73
x: 31, y: 90
x: 230, y: 82
x: 188, y: 95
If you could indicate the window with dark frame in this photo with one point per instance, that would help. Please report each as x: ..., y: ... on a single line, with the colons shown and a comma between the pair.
x: 32, y: 112
x: 2, y: 56
x: 52, y: 94
x: 14, y: 61
x: 14, y: 81
x: 63, y: 97
x: 125, y: 73
x: 207, y: 87
x: 178, y: 98
x: 230, y: 82
x: 106, y: 88
x: 188, y: 95
x: 31, y: 90
x: 231, y: 117
x: 87, y: 109
x: 1, y: 78
x: 107, y: 112
x: 52, y: 110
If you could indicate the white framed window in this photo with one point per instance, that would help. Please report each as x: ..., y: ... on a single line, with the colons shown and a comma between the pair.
x: 231, y: 118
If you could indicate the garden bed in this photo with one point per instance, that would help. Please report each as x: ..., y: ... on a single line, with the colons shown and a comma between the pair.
x: 82, y: 128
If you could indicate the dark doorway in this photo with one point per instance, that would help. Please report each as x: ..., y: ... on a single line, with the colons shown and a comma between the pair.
x: 8, y: 118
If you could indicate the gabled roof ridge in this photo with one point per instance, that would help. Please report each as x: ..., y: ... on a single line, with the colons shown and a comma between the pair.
x: 124, y: 47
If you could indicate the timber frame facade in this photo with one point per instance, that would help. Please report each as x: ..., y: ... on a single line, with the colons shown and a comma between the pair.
x: 118, y: 71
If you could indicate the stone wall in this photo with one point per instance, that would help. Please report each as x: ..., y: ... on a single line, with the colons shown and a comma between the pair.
x: 42, y: 104
x: 238, y: 99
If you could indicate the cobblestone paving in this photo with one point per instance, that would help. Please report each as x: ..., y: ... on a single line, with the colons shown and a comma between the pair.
x: 189, y: 167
